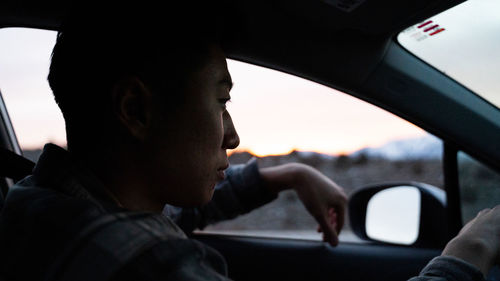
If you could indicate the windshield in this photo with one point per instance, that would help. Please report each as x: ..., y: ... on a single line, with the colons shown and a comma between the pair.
x: 464, y: 43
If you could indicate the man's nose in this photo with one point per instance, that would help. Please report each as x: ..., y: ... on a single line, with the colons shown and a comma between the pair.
x: 231, y: 138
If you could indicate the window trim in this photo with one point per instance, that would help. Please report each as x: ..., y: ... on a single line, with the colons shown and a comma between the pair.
x: 451, y: 186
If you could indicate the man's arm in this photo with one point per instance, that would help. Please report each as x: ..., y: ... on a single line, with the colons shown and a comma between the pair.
x: 247, y: 187
x: 448, y: 268
x: 478, y: 243
x: 324, y: 199
x: 241, y: 191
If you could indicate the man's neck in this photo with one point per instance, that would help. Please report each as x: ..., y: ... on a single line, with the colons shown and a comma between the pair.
x: 122, y: 176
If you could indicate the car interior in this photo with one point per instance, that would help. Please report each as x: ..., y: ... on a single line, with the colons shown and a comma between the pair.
x: 346, y: 45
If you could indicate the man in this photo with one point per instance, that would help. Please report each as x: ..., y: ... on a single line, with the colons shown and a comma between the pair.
x: 146, y: 126
x: 144, y: 105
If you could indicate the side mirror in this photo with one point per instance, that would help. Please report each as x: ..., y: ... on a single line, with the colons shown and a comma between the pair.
x: 411, y: 214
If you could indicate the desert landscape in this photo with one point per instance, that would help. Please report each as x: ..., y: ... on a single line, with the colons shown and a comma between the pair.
x: 287, y: 217
x: 397, y: 161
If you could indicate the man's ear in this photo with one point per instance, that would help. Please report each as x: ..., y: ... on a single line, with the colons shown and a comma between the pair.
x: 132, y: 106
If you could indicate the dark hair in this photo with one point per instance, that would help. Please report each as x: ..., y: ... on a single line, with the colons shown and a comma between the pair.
x: 95, y: 48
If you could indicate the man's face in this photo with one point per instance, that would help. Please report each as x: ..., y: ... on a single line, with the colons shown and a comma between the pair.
x: 189, y: 143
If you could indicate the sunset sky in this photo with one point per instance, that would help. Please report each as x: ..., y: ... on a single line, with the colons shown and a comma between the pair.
x: 274, y: 113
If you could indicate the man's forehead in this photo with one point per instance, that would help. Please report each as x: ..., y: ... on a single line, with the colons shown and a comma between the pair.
x: 218, y: 66
x: 225, y: 77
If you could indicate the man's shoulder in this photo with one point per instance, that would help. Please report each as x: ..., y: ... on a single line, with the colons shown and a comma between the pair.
x: 47, y: 229
x: 41, y: 207
x: 116, y: 239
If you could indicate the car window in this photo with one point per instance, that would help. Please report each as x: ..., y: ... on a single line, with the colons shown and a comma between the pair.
x: 479, y: 186
x: 24, y: 59
x: 280, y: 118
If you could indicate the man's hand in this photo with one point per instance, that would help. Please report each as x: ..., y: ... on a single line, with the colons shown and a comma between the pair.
x: 479, y: 241
x: 324, y: 199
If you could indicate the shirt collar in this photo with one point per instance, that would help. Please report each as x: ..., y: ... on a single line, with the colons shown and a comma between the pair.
x: 57, y: 169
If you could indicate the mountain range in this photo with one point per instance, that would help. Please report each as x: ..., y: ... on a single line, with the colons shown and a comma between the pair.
x: 426, y: 147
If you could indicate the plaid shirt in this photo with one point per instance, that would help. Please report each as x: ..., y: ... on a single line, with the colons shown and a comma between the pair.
x: 447, y: 268
x: 60, y: 224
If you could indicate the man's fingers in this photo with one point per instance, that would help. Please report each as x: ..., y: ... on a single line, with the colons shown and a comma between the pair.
x: 330, y: 225
x: 341, y: 209
x: 329, y: 230
x: 337, y: 216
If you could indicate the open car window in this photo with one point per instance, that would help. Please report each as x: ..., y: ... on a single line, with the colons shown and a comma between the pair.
x: 280, y: 118
x: 25, y: 57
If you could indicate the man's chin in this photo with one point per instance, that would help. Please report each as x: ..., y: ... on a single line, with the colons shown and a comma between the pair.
x: 202, y: 200
x: 196, y: 198
x: 208, y: 196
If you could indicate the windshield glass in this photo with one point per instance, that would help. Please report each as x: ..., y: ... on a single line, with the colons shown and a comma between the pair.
x: 464, y: 43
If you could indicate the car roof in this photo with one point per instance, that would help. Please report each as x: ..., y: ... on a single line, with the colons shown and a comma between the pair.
x: 352, y: 51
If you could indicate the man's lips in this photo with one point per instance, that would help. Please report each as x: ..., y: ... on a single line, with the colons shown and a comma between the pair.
x: 220, y: 172
x: 221, y: 175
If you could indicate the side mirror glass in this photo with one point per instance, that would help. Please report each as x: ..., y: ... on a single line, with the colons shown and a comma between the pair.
x: 405, y: 213
x: 393, y: 215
